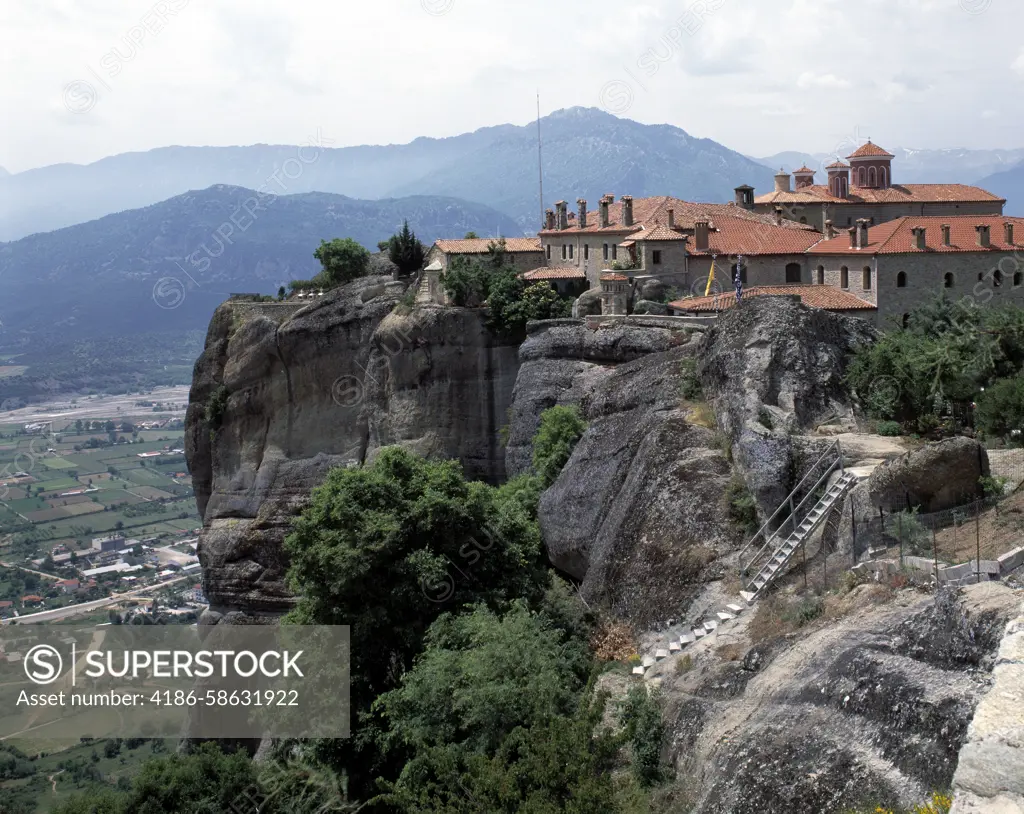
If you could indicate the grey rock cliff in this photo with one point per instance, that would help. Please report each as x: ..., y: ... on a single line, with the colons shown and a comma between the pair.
x: 934, y: 477
x: 326, y: 387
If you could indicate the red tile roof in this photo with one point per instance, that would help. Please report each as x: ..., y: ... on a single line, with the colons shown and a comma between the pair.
x: 556, y: 273
x: 482, y: 244
x: 614, y: 278
x: 804, y: 169
x: 816, y: 296
x: 870, y: 150
x: 731, y: 236
x: 31, y: 598
x: 897, y: 237
x: 897, y: 193
x: 838, y: 165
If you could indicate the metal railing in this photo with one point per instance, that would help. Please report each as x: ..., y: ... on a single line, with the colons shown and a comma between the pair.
x: 833, y: 458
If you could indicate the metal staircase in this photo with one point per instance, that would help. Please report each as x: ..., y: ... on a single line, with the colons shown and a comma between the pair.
x: 794, y: 521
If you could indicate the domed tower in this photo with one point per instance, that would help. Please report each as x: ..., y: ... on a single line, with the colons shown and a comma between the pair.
x: 871, y: 166
x: 838, y: 179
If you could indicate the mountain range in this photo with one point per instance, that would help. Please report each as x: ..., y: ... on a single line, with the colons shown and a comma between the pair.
x: 105, y: 277
x: 586, y: 153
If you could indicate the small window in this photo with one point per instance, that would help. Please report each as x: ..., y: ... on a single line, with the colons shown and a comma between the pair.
x: 572, y: 249
x: 849, y: 221
x: 605, y: 251
x: 793, y: 273
x: 563, y: 251
x: 948, y: 280
x: 844, y: 277
x: 981, y: 276
x: 615, y: 252
x: 901, y: 280
x: 549, y: 251
x: 803, y: 219
x: 656, y: 257
x: 586, y: 251
x: 821, y: 275
x: 865, y: 280
x: 1017, y: 278
x: 997, y: 278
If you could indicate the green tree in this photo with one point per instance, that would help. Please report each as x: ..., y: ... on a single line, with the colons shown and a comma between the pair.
x: 1001, y: 407
x: 281, y: 292
x: 343, y: 260
x: 405, y: 250
x: 560, y: 428
x: 386, y: 549
x: 471, y: 235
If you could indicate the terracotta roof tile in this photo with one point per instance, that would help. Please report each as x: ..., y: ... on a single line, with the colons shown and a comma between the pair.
x: 816, y: 296
x: 838, y: 165
x: 480, y: 245
x: 897, y: 237
x: 557, y: 273
x: 897, y: 193
x: 870, y: 150
x: 803, y: 170
x: 732, y: 236
x: 614, y: 278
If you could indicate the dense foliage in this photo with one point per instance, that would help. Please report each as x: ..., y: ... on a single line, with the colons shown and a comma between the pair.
x: 950, y: 351
x: 560, y: 428
x: 492, y: 281
x: 343, y: 260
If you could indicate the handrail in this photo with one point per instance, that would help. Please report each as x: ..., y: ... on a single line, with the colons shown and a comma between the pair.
x: 768, y: 522
x: 795, y: 512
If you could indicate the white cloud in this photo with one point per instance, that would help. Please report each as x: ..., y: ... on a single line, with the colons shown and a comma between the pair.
x: 809, y: 79
x: 1018, y: 64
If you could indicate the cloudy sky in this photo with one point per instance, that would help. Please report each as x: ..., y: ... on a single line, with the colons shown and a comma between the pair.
x: 89, y: 78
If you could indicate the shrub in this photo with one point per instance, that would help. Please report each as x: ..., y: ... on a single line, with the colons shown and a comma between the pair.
x: 890, y: 429
x: 741, y: 505
x: 993, y: 485
x: 343, y: 260
x: 215, y: 407
x: 907, y: 527
x: 560, y: 428
x: 1001, y: 407
x: 689, y: 383
x: 645, y: 731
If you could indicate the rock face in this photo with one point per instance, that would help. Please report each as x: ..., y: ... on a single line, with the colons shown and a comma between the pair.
x: 637, y: 514
x: 274, y: 406
x: 935, y: 477
x: 772, y: 367
x: 869, y: 709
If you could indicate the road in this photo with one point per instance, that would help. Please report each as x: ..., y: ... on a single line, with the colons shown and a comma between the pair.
x: 57, y: 614
x: 30, y: 571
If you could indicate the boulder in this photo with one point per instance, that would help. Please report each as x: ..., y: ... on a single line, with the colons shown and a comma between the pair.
x: 651, y: 307
x: 935, y: 477
x: 588, y: 303
x: 656, y: 290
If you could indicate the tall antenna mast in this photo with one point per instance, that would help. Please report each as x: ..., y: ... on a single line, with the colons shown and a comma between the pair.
x: 540, y: 164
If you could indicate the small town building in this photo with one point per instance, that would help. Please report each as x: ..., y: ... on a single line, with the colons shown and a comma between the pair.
x: 522, y: 253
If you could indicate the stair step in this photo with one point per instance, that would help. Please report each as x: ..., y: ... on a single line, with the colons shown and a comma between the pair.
x: 661, y: 654
x: 699, y: 632
x: 747, y: 596
x: 648, y: 661
x: 724, y: 617
x: 638, y: 671
x: 674, y: 647
x: 687, y: 638
x: 711, y: 624
x: 735, y: 609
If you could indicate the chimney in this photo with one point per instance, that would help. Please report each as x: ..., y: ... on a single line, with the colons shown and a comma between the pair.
x: 853, y: 237
x: 1008, y: 233
x: 778, y: 216
x: 782, y: 181
x: 984, y: 239
x: 945, y: 234
x: 862, y: 233
x: 919, y: 237
x: 563, y: 214
x: 829, y: 231
x: 581, y: 220
x: 701, y: 234
x: 627, y: 210
x: 549, y: 219
x: 603, y: 208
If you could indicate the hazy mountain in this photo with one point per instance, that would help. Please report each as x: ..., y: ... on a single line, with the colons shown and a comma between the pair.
x: 118, y: 275
x: 910, y: 166
x: 1009, y: 185
x: 586, y: 152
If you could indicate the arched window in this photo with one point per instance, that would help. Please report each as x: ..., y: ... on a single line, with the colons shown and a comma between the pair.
x: 872, y: 177
x: 586, y: 251
x: 844, y: 189
x: 948, y: 280
x: 906, y: 321
x: 901, y: 280
x: 997, y: 278
x: 865, y: 278
x: 563, y: 251
x: 605, y: 251
x: 882, y: 178
x: 571, y: 251
x: 844, y: 277
x: 792, y: 272
x: 821, y: 275
x: 803, y: 219
x: 860, y: 177
x: 549, y: 251
x: 615, y: 252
